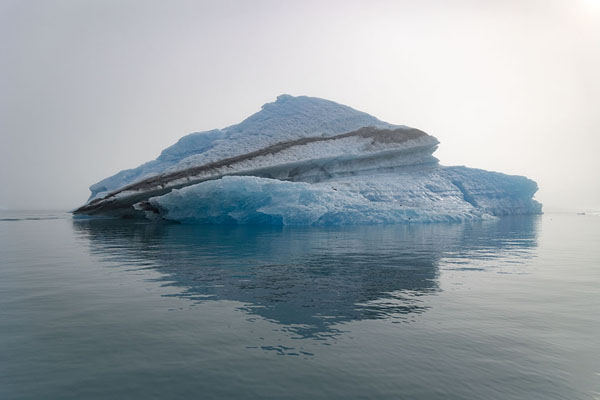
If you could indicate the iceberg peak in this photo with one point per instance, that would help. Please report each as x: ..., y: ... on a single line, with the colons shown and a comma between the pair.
x: 283, y: 97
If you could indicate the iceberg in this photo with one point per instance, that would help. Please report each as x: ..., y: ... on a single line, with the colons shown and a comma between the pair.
x: 308, y: 161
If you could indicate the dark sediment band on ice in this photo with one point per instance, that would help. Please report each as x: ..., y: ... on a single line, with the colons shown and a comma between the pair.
x: 302, y: 160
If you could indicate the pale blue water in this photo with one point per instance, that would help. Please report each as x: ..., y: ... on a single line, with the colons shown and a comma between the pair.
x: 127, y: 310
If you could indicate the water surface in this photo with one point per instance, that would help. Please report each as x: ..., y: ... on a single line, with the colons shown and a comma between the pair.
x: 98, y: 309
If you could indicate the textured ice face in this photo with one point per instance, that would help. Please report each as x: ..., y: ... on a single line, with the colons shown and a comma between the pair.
x: 288, y: 118
x: 430, y: 195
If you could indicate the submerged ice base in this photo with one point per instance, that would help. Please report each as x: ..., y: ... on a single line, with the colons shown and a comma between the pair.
x: 434, y: 195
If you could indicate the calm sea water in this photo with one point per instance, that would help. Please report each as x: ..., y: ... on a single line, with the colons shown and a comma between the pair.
x: 103, y: 309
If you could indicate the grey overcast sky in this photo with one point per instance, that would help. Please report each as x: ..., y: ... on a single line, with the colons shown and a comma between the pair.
x: 90, y: 87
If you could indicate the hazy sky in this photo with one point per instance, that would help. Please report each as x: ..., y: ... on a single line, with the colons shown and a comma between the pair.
x: 88, y: 87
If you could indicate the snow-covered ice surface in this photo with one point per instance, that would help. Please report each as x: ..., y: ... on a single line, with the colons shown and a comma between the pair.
x: 286, y: 119
x: 309, y: 161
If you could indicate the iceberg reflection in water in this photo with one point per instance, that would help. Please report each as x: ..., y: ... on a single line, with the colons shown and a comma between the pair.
x: 112, y: 309
x: 310, y: 280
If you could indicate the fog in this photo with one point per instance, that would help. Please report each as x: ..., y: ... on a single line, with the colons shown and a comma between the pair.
x: 88, y: 88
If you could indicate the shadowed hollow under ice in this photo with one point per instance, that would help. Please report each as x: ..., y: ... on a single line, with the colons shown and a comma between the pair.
x: 308, y: 161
